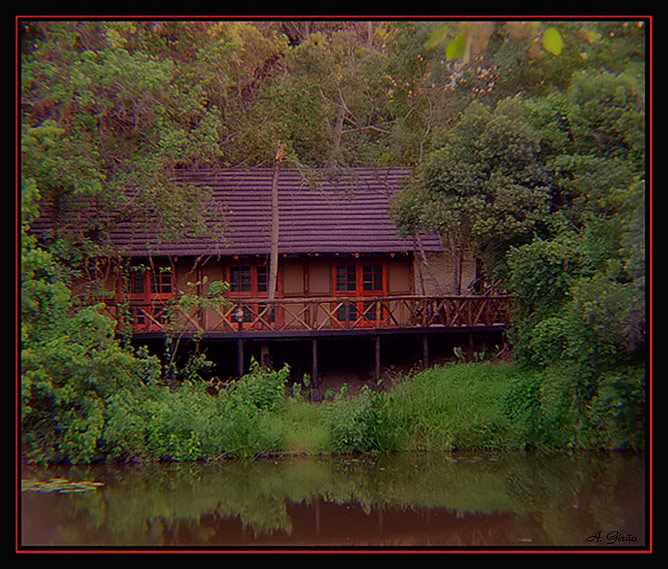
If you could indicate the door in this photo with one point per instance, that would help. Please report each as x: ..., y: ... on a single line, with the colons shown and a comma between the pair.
x: 150, y: 292
x: 356, y: 281
x: 248, y: 284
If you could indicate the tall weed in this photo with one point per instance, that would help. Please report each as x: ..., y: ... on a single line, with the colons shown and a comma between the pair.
x: 363, y: 424
x: 454, y: 406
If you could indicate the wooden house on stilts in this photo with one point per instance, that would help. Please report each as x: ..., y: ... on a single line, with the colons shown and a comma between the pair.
x: 343, y: 271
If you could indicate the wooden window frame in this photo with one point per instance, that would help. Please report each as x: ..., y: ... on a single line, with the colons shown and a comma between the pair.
x: 351, y: 312
x: 254, y: 293
x: 152, y: 299
x: 149, y: 292
x: 359, y: 279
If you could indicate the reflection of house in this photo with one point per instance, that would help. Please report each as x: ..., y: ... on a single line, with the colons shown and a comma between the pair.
x: 343, y: 268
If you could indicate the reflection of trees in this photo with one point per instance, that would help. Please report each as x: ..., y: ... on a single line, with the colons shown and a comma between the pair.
x: 401, y: 500
x: 576, y: 495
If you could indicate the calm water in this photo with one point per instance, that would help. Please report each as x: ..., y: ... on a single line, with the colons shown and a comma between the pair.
x: 507, y: 500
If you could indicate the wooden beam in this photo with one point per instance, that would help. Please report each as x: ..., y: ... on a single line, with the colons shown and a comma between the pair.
x: 425, y: 350
x: 377, y: 346
x: 240, y: 357
x: 314, y: 362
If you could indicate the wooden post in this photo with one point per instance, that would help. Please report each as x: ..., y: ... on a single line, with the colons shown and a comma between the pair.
x: 314, y: 362
x: 425, y: 350
x: 240, y: 357
x: 377, y: 373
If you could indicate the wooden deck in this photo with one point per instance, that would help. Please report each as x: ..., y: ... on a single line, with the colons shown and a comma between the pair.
x: 310, y: 319
x: 320, y: 316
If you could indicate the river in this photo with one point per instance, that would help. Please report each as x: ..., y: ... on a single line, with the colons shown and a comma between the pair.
x: 414, y: 501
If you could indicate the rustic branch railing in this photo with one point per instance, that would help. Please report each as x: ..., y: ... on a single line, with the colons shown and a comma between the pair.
x: 332, y: 313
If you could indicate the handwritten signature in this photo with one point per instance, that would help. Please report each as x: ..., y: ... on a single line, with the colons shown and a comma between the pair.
x: 612, y: 537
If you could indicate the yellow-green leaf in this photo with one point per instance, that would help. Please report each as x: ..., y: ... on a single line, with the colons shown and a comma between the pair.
x: 552, y: 41
x: 456, y: 48
x: 437, y: 37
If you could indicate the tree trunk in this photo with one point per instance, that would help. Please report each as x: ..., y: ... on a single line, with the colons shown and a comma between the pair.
x: 419, y: 260
x: 336, y: 135
x: 456, y: 264
x: 273, y: 255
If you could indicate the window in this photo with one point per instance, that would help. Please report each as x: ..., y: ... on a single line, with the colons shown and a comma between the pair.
x: 346, y: 280
x: 149, y: 291
x: 161, y: 283
x: 137, y: 282
x: 248, y: 281
x: 149, y: 284
x: 240, y: 279
x: 359, y: 280
x: 262, y: 278
x: 372, y: 278
x: 251, y: 282
x: 347, y: 312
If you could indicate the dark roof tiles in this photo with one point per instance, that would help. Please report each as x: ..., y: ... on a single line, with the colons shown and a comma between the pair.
x: 345, y: 214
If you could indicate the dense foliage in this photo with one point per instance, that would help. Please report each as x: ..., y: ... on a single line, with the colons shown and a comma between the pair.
x: 548, y: 189
x: 528, y: 142
x: 455, y: 407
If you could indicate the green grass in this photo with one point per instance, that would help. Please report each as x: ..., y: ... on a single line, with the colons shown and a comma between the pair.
x: 456, y: 406
x: 439, y: 409
x: 486, y: 405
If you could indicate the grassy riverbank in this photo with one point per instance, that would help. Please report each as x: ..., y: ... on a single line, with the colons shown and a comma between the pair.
x: 483, y: 405
x: 453, y: 407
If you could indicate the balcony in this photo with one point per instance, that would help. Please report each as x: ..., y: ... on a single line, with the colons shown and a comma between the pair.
x: 323, y: 316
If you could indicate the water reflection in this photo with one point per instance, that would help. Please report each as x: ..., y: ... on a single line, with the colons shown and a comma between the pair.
x: 406, y: 500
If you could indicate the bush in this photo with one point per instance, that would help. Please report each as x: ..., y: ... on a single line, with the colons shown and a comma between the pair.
x: 616, y: 414
x: 542, y: 273
x: 261, y: 388
x: 471, y: 406
x: 67, y: 383
x: 187, y: 423
x: 548, y: 341
x: 362, y: 424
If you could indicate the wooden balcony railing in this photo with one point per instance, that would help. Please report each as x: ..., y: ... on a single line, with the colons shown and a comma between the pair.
x: 318, y: 314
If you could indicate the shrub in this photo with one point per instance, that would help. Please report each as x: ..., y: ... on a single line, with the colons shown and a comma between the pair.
x: 616, y: 414
x: 261, y: 388
x: 66, y: 386
x: 362, y: 424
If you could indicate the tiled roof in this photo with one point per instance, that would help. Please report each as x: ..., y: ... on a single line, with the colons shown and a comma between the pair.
x: 348, y: 214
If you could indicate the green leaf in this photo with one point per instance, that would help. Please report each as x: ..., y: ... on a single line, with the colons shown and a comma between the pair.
x: 456, y: 48
x: 552, y: 41
x: 437, y: 38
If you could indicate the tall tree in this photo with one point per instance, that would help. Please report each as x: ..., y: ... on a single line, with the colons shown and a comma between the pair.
x: 330, y: 106
x: 104, y: 124
x: 484, y: 189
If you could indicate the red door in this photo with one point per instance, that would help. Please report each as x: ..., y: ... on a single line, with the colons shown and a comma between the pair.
x: 359, y: 280
x: 248, y: 283
x: 150, y: 292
